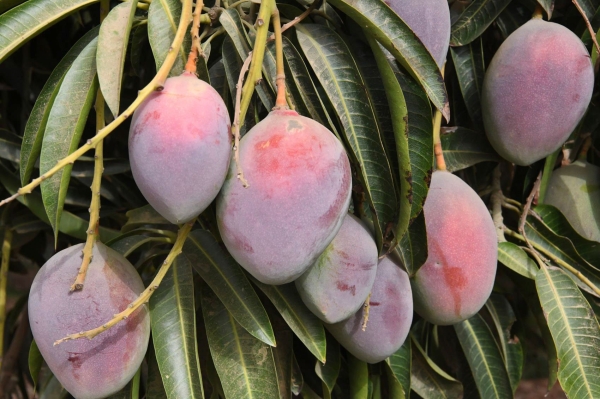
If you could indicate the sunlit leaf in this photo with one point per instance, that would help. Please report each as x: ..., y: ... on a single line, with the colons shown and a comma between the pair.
x: 516, y: 259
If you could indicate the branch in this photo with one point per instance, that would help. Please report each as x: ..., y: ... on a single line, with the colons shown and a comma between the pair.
x: 589, y: 26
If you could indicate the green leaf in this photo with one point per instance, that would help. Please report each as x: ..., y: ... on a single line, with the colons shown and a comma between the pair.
x: 163, y: 19
x: 328, y: 372
x: 227, y: 280
x: 70, y: 224
x: 173, y: 318
x: 412, y: 248
x: 29, y: 19
x: 558, y: 223
x: 358, y: 373
x: 400, y: 365
x: 512, y: 18
x: 9, y: 146
x: 64, y: 129
x: 155, y: 388
x: 575, y: 332
x: 385, y: 26
x: 470, y: 69
x: 429, y: 381
x: 464, y: 148
x: 112, y: 49
x: 297, y: 378
x: 474, y: 20
x: 589, y: 7
x: 245, y: 364
x: 504, y: 317
x: 283, y: 355
x: 548, y: 6
x: 337, y: 71
x: 303, y: 323
x: 516, y: 259
x: 142, y: 216
x: 36, y: 124
x: 484, y: 358
x: 35, y: 361
x: 127, y: 245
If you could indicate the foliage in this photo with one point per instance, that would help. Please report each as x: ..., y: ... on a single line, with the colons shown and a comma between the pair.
x: 355, y: 67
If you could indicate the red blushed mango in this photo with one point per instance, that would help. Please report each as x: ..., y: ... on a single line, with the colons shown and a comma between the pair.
x: 430, y: 20
x: 180, y: 146
x: 535, y: 91
x: 96, y: 368
x: 390, y: 316
x: 300, y: 184
x: 338, y: 284
x: 458, y: 276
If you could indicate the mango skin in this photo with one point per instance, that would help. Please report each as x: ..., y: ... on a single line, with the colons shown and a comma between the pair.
x: 430, y: 20
x: 458, y: 276
x: 338, y: 283
x: 180, y: 146
x: 97, y: 368
x: 390, y: 316
x: 535, y: 91
x: 299, y: 191
x: 575, y: 191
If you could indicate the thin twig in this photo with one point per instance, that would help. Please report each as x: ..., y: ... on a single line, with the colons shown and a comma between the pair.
x: 496, y: 199
x: 589, y: 25
x: 298, y: 19
x: 196, y: 49
x: 527, y: 207
x: 236, y: 121
x: 182, y: 234
x: 156, y: 83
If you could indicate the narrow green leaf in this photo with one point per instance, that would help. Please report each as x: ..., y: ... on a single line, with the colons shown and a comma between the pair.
x: 589, y: 7
x: 65, y: 127
x: 335, y: 68
x: 173, y: 319
x: 155, y: 388
x: 36, y: 124
x: 227, y: 280
x: 464, y: 148
x: 297, y: 378
x: 303, y: 323
x: 548, y: 6
x: 35, y: 361
x: 429, y: 383
x: 283, y: 355
x: 53, y: 390
x: 516, y: 259
x: 144, y: 215
x: 329, y: 371
x: 470, y: 69
x: 504, y: 317
x: 393, y: 33
x: 358, y: 373
x: 29, y: 19
x: 163, y: 19
x: 70, y: 224
x: 558, y: 223
x: 575, y: 332
x: 127, y: 245
x: 400, y: 365
x: 412, y: 248
x: 512, y: 18
x: 245, y: 364
x: 112, y: 49
x: 474, y: 20
x: 484, y: 358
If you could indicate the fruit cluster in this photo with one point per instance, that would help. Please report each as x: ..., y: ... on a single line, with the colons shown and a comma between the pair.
x: 291, y: 224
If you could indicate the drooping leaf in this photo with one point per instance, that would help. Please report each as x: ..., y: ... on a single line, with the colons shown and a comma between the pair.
x: 227, y: 280
x: 504, y: 317
x: 548, y: 6
x: 297, y: 378
x: 470, y: 69
x: 512, y: 18
x: 558, y: 223
x: 112, y: 49
x: 575, y: 332
x: 36, y: 124
x: 336, y: 70
x: 385, y: 26
x: 127, y: 245
x: 463, y: 148
x: 245, y: 364
x: 474, y: 20
x: 413, y: 246
x: 173, y: 318
x: 484, y: 358
x: 400, y: 365
x: 328, y: 372
x: 64, y: 129
x: 35, y: 361
x: 163, y: 19
x: 70, y: 224
x: 429, y: 381
x: 358, y: 373
x: 283, y: 355
x: 29, y: 19
x: 144, y: 215
x: 303, y: 323
x: 155, y: 390
x: 516, y: 259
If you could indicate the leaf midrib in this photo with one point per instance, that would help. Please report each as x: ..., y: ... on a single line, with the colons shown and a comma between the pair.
x: 482, y: 354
